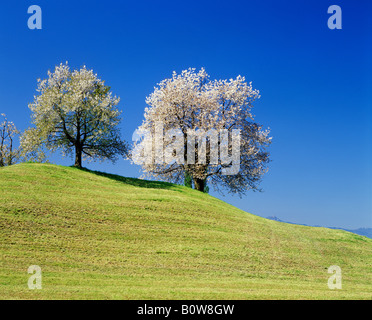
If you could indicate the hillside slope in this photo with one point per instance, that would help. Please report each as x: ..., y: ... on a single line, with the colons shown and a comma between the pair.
x: 101, y: 236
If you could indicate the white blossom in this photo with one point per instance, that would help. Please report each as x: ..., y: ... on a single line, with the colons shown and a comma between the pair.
x: 190, y: 102
x: 75, y: 112
x: 8, y: 153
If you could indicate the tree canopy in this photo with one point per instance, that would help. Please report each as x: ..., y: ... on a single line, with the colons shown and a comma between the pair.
x: 8, y: 153
x: 75, y: 112
x: 189, y: 114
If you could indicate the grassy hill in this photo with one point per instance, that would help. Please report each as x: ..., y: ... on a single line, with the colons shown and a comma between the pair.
x: 98, y: 236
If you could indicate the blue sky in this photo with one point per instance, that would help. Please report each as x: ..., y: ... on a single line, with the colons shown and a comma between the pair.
x: 315, y: 83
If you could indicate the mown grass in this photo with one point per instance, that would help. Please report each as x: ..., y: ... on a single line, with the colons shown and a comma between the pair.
x: 100, y: 236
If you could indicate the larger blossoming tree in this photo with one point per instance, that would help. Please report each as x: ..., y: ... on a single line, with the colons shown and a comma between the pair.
x: 75, y: 112
x: 190, y: 121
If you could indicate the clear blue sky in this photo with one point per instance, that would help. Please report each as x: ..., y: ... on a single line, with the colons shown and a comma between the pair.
x: 315, y: 83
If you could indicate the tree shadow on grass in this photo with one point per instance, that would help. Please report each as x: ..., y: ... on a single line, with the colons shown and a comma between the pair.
x: 132, y: 181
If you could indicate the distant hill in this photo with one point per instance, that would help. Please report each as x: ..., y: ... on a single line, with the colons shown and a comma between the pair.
x: 102, y: 236
x: 367, y: 232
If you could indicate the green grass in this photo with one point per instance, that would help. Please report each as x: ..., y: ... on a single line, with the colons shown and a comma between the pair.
x: 100, y: 236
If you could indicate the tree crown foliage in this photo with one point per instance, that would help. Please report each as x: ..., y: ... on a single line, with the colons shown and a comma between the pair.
x: 8, y: 153
x: 75, y: 112
x: 189, y: 102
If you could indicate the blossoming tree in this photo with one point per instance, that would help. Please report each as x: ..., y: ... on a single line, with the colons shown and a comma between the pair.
x: 8, y: 153
x: 75, y: 112
x: 189, y: 113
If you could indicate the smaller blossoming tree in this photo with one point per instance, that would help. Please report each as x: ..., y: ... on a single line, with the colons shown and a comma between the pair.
x: 75, y: 112
x: 8, y: 153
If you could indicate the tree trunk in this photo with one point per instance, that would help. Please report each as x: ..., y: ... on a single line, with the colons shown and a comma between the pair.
x: 199, y: 184
x: 10, y: 158
x: 2, y: 164
x: 78, y: 153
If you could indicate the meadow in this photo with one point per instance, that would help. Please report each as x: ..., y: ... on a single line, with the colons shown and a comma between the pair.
x: 102, y: 236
